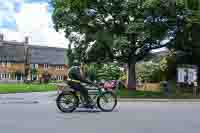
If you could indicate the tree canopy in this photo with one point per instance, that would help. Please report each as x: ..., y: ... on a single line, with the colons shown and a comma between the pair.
x: 117, y: 27
x: 122, y: 30
x: 187, y: 39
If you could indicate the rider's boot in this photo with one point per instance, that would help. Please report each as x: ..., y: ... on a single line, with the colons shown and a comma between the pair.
x: 89, y: 103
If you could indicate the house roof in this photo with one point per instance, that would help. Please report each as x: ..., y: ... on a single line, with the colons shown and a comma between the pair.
x: 12, y: 51
x: 16, y: 51
x: 47, y: 55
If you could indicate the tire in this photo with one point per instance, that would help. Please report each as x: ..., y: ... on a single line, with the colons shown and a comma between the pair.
x: 100, y: 106
x: 71, y: 108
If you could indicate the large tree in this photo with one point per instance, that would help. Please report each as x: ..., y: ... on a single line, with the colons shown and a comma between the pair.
x: 187, y: 39
x: 122, y: 30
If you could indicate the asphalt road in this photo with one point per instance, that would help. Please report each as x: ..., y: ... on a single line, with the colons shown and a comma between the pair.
x: 129, y: 117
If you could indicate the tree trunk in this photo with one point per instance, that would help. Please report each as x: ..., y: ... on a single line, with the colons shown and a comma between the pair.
x: 131, y: 79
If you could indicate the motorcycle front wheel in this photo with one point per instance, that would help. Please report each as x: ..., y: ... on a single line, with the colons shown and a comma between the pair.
x: 107, y: 101
x: 67, y: 102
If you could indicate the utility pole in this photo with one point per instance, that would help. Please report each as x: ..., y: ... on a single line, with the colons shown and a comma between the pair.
x: 27, y: 59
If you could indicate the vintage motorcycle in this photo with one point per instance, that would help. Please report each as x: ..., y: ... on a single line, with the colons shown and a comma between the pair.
x: 69, y: 97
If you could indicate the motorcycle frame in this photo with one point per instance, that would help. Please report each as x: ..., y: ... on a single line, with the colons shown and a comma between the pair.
x: 65, y: 88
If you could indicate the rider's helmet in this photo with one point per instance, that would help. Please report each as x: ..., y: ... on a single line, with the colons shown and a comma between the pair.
x: 77, y: 71
x: 74, y: 71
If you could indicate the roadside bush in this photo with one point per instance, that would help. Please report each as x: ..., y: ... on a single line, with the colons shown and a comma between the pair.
x: 103, y: 72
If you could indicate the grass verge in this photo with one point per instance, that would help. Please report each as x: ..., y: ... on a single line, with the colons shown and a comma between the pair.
x: 22, y: 88
x: 151, y: 95
x: 124, y: 93
x: 139, y: 94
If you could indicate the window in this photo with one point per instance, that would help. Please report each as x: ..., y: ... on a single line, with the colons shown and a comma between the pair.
x: 59, y: 67
x: 46, y: 66
x: 34, y: 66
x: 8, y: 76
x: 5, y: 76
x: 60, y: 77
x: 34, y: 77
x: 9, y: 63
x: 3, y: 63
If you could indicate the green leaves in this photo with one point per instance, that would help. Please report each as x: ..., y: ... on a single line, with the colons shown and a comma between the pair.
x: 187, y: 40
x: 151, y: 4
x: 147, y: 71
x: 116, y: 26
x: 135, y: 27
x: 34, y: 71
x: 109, y: 71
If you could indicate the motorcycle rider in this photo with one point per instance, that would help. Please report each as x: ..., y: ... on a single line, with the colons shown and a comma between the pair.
x: 78, y: 72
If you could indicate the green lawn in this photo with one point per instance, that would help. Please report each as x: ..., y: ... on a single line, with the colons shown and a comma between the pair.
x: 143, y: 94
x: 21, y: 88
x: 139, y: 94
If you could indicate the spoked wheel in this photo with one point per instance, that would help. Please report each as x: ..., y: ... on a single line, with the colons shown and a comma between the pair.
x: 67, y: 102
x: 107, y: 101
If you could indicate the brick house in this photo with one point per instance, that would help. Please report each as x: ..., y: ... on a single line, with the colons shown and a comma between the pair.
x: 20, y: 61
x: 12, y: 58
x: 48, y: 60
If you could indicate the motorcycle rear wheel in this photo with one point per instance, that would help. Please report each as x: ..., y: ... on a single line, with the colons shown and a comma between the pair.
x: 69, y: 98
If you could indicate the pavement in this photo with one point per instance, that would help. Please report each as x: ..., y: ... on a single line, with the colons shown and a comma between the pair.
x: 28, y: 98
x: 128, y: 117
x: 37, y: 112
x: 157, y: 100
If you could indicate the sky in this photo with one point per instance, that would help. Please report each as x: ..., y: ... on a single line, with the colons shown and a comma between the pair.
x: 32, y: 18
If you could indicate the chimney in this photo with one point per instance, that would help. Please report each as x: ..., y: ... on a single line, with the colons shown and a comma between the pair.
x: 26, y: 40
x: 1, y: 37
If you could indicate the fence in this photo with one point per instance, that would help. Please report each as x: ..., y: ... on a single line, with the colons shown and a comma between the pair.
x: 11, y: 81
x: 153, y: 87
